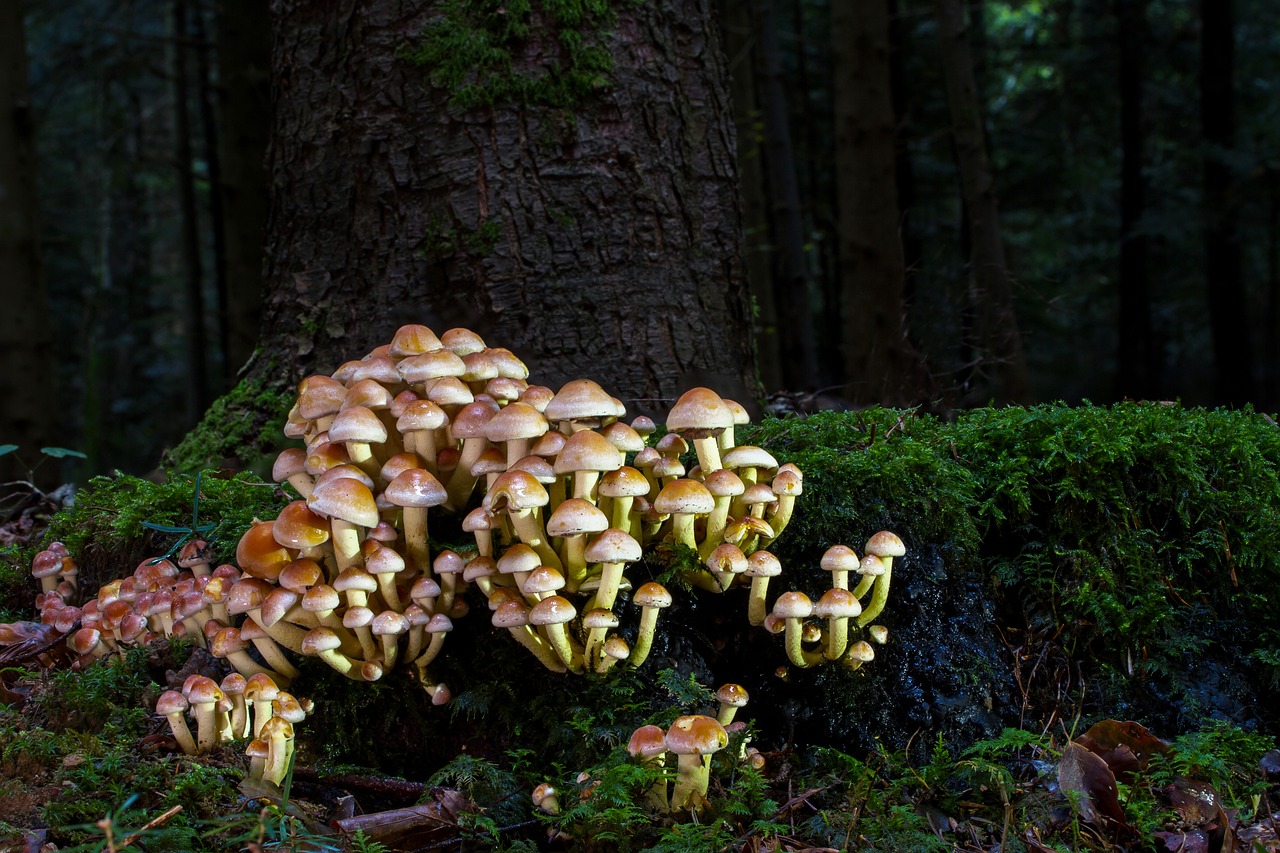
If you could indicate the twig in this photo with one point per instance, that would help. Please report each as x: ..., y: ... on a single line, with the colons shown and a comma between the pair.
x: 149, y: 825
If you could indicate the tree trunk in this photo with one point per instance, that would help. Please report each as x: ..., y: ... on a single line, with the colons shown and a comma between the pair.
x: 737, y: 24
x: 243, y: 44
x: 602, y: 243
x: 1137, y: 356
x: 793, y: 293
x: 1003, y: 367
x: 881, y: 363
x: 1228, y: 305
x: 212, y: 152
x: 27, y: 359
x: 197, y: 391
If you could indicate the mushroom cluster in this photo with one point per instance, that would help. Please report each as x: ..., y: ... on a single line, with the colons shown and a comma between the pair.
x: 558, y: 493
x: 253, y: 709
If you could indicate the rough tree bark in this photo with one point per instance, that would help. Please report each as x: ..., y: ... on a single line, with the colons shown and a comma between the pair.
x: 1228, y: 304
x: 881, y: 363
x: 1003, y: 363
x: 602, y: 241
x: 27, y: 357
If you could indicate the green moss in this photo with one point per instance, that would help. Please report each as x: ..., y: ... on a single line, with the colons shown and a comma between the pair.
x: 243, y: 429
x: 1142, y: 533
x: 487, y: 52
x: 106, y: 529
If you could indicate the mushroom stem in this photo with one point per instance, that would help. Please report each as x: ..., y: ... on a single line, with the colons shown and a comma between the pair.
x: 879, y: 594
x: 694, y: 775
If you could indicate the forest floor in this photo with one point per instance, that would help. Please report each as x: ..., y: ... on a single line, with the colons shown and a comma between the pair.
x: 84, y: 766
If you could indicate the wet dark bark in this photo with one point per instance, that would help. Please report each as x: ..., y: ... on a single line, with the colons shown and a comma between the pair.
x: 1002, y: 374
x: 26, y: 358
x: 1228, y: 305
x: 603, y: 244
x: 881, y: 363
x: 1137, y: 356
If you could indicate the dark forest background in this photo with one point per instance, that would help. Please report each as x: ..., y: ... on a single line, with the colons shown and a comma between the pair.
x: 1129, y: 147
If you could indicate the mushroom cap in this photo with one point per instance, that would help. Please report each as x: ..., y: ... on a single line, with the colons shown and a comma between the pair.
x: 759, y: 493
x: 247, y: 594
x: 515, y: 421
x: 377, y: 366
x: 203, y: 691
x: 421, y: 414
x: 341, y: 470
x: 600, y: 617
x: 320, y: 598
x: 261, y: 687
x: 357, y: 617
x: 381, y: 560
x: 538, y: 467
x: 319, y: 396
x: 518, y: 558
x: 580, y: 399
x: 481, y: 366
x: 480, y: 567
x: 684, y: 496
x: 537, y: 396
x: 549, y: 445
x: 517, y: 490
x: 319, y: 640
x: 449, y: 562
x: 512, y: 613
x: 624, y: 482
x: 462, y: 341
x: 615, y: 647
x: 424, y: 587
x: 701, y: 412
x: 259, y: 554
x: 622, y: 437
x: 552, y: 610
x: 292, y: 460
x: 415, y: 487
x: 369, y: 393
x: 389, y: 622
x: 354, y: 577
x: 171, y: 702
x: 696, y: 734
x: 227, y: 641
x: 840, y: 558
x: 787, y: 482
x: 837, y: 604
x: 724, y: 483
x: 886, y: 544
x: 587, y: 450
x: 541, y: 580
x: 491, y: 461
x: 733, y: 694
x: 871, y: 565
x: 748, y: 456
x: 398, y: 464
x: 574, y: 517
x: 345, y: 499
x: 861, y: 651
x: 359, y: 424
x: 613, y: 546
x: 299, y: 527
x: 727, y: 557
x: 472, y: 419
x: 413, y: 338
x: 793, y: 605
x: 647, y: 741
x: 652, y: 594
x: 763, y: 564
x: 450, y: 391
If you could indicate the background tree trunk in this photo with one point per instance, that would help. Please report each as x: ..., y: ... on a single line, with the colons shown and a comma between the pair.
x: 793, y: 296
x: 1228, y: 304
x: 881, y: 363
x: 1003, y: 365
x: 27, y: 356
x: 1137, y: 356
x: 193, y: 315
x: 604, y: 243
x: 243, y: 45
x: 738, y: 26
